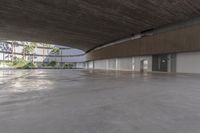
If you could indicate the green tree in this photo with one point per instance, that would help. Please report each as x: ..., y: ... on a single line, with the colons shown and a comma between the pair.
x: 55, y: 51
x: 28, y: 49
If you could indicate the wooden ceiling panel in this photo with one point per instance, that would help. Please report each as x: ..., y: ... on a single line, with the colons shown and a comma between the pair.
x: 86, y: 24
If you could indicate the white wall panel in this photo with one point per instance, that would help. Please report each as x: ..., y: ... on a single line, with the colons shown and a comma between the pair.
x: 100, y: 64
x: 125, y: 64
x: 188, y: 62
x: 111, y: 64
x: 80, y: 65
x: 91, y: 65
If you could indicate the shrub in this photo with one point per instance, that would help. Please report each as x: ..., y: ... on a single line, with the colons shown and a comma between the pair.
x: 68, y: 66
x: 19, y: 63
x: 29, y: 65
x: 52, y: 63
x: 55, y: 51
x: 23, y: 64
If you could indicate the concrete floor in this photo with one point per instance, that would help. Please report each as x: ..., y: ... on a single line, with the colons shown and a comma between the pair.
x: 80, y: 101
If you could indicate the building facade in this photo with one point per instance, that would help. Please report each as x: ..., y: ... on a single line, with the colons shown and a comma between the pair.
x: 42, y: 53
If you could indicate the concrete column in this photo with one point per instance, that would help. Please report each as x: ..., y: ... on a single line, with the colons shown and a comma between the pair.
x: 107, y: 65
x: 117, y: 64
x: 133, y: 63
x: 93, y: 65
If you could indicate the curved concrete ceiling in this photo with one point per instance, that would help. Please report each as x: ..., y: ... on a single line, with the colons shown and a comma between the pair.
x: 86, y: 24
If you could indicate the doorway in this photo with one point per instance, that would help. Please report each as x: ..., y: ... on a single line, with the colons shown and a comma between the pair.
x: 160, y: 63
x: 144, y: 66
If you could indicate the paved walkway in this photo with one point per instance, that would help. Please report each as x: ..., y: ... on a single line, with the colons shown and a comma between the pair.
x: 80, y: 101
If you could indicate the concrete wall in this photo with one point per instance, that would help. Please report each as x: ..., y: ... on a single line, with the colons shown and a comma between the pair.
x: 188, y: 62
x: 125, y: 64
x: 90, y: 64
x: 112, y: 64
x: 80, y: 65
x: 100, y: 64
x: 180, y: 62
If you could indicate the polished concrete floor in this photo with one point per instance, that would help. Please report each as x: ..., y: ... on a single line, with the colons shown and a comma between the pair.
x: 81, y: 101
